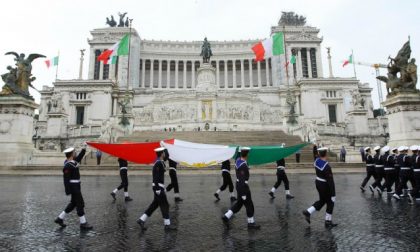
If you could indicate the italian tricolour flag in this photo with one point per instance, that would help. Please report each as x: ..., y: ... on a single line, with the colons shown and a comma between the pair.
x: 118, y: 49
x: 348, y: 61
x: 53, y: 61
x: 269, y: 47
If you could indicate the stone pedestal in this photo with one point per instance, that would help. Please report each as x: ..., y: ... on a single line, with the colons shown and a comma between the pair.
x: 16, y: 130
x: 206, y: 78
x: 403, y: 112
x: 358, y: 122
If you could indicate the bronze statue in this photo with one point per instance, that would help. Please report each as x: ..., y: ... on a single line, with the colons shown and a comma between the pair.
x: 124, y: 120
x: 290, y: 18
x: 19, y: 79
x: 407, y: 79
x: 111, y: 22
x: 206, y: 51
x: 121, y: 23
x: 127, y: 23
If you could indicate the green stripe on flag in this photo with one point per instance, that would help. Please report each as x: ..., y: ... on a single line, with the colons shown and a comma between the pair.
x: 293, y: 59
x: 278, y: 43
x: 55, y: 61
x: 267, y: 154
x: 114, y: 59
x: 124, y: 45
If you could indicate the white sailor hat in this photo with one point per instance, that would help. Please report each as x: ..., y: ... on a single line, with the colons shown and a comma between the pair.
x: 68, y: 150
x: 283, y: 144
x: 385, y: 148
x: 406, y: 148
x: 394, y: 149
x: 377, y: 148
x: 322, y: 149
x: 401, y: 148
x: 159, y: 149
x: 244, y: 148
x: 414, y: 147
x: 367, y: 148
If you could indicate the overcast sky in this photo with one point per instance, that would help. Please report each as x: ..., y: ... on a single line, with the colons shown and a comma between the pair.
x: 373, y: 29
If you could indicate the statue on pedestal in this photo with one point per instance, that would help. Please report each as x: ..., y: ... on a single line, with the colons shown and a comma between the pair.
x: 18, y: 80
x: 111, y: 22
x: 206, y: 51
x: 407, y: 69
x: 124, y: 105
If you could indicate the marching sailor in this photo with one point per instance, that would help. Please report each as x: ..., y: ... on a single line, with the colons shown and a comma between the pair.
x: 124, y: 180
x: 326, y: 189
x: 243, y: 190
x: 174, y: 179
x: 227, y: 181
x: 404, y: 164
x: 416, y: 172
x: 411, y: 178
x: 379, y: 170
x: 370, y: 170
x: 72, y: 187
x: 158, y: 188
x: 281, y: 176
x: 389, y: 169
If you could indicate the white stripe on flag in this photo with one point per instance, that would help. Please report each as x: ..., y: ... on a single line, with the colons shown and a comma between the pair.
x: 268, y: 47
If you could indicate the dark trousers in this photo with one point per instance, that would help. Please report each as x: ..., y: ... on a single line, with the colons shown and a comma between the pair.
x: 405, y: 176
x: 370, y: 172
x: 343, y: 157
x: 324, y: 197
x: 249, y: 205
x: 379, y: 177
x: 416, y: 189
x: 77, y: 202
x: 227, y: 181
x: 98, y: 160
x: 174, y: 181
x: 281, y: 176
x: 390, y: 178
x: 297, y: 157
x: 124, y: 180
x: 159, y: 201
x: 363, y: 157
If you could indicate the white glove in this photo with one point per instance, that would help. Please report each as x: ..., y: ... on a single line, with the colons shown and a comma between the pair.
x: 158, y: 192
x: 243, y: 197
x: 333, y: 199
x: 84, y: 145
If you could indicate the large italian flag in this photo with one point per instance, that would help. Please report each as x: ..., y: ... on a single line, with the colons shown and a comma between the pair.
x: 118, y: 49
x: 269, y: 47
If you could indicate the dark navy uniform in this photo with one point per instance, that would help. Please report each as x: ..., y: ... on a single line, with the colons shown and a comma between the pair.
x: 158, y: 187
x: 71, y: 177
x: 403, y: 161
x: 227, y: 181
x: 281, y: 176
x: 123, y: 164
x: 370, y: 169
x: 379, y: 171
x: 174, y: 180
x: 325, y: 186
x: 416, y: 172
x: 389, y: 170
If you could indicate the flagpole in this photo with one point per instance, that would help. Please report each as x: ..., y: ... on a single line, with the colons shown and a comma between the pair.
x: 129, y: 52
x: 56, y: 69
x: 285, y: 57
x: 354, y: 65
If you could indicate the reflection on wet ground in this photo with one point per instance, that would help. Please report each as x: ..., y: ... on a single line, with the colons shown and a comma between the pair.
x: 28, y: 206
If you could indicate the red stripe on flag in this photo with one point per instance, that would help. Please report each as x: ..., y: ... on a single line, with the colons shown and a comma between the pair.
x: 258, y: 51
x: 48, y: 63
x: 104, y: 56
x: 346, y: 62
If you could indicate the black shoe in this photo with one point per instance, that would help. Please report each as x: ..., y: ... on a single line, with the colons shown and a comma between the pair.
x: 113, y: 195
x: 225, y: 221
x: 307, y: 216
x: 85, y: 226
x: 232, y: 198
x: 271, y: 195
x: 128, y: 198
x: 289, y: 196
x: 178, y: 199
x: 170, y: 228
x: 253, y: 226
x: 372, y: 189
x: 217, y: 196
x: 60, y: 222
x: 330, y: 224
x: 141, y: 223
x: 362, y: 189
x: 396, y: 196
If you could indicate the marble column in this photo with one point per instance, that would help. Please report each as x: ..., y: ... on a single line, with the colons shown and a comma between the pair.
x: 152, y: 63
x: 242, y: 74
x: 309, y: 62
x: 192, y: 74
x: 143, y: 73
x: 267, y: 73
x: 259, y: 73
x: 234, y: 73
x: 160, y: 74
x: 101, y: 70
x: 168, y: 74
x: 185, y: 74
x: 226, y: 74
x: 176, y: 74
x: 251, y: 82
x: 217, y: 74
x: 299, y: 64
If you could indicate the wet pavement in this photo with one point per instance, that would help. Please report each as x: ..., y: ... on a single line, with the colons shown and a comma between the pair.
x: 29, y: 205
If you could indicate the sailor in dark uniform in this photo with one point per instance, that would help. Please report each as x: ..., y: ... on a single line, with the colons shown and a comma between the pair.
x: 397, y: 167
x: 326, y: 189
x: 243, y: 190
x: 370, y: 170
x: 72, y: 187
x: 416, y: 175
x: 281, y: 176
x: 379, y: 170
x: 174, y: 179
x: 404, y: 163
x: 124, y: 180
x: 389, y: 169
x: 158, y: 188
x: 412, y: 195
x: 227, y: 181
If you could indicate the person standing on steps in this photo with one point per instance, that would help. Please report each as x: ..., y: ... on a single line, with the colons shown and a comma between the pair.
x: 227, y: 181
x: 174, y: 179
x: 159, y: 194
x: 98, y: 157
x: 326, y: 189
x: 370, y: 170
x: 243, y: 190
x: 297, y: 155
x: 71, y: 177
x: 281, y: 176
x: 124, y: 180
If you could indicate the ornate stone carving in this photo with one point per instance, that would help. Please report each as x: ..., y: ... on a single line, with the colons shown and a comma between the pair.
x: 291, y: 18
x: 5, y: 127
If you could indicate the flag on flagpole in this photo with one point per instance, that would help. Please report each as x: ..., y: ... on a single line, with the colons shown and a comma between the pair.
x: 269, y: 47
x: 348, y: 61
x: 53, y: 61
x: 118, y: 49
x: 293, y: 59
